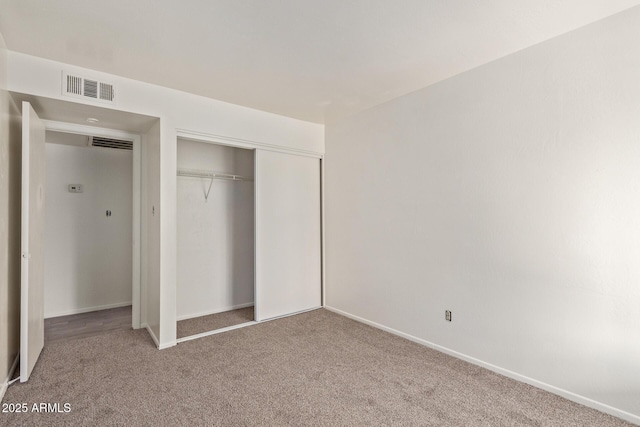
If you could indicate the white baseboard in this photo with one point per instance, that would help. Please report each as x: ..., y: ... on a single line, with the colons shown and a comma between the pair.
x: 155, y: 339
x: 153, y: 336
x: 627, y: 416
x: 216, y: 311
x: 87, y: 309
x: 5, y: 384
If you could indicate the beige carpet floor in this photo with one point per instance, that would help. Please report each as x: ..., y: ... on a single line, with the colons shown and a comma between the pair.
x: 316, y: 368
x: 212, y: 322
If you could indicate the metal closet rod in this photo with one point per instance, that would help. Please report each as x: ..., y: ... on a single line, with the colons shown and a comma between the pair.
x: 212, y: 175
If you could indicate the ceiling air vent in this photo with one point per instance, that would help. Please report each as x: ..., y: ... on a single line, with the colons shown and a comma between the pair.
x: 74, y: 85
x: 119, y: 144
x: 90, y: 88
x: 106, y: 91
x: 87, y: 88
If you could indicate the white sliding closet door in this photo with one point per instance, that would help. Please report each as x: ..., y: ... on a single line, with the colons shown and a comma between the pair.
x: 288, y: 242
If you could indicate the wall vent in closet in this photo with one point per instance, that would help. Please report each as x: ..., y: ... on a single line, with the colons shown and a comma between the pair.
x: 119, y: 144
x: 87, y: 88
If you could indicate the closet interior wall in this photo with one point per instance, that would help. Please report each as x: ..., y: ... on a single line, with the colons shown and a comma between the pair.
x: 215, y: 226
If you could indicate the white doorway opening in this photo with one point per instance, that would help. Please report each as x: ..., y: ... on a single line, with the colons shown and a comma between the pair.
x: 98, y: 282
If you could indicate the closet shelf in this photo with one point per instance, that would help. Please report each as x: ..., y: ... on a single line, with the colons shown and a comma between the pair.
x: 212, y: 175
x: 191, y: 173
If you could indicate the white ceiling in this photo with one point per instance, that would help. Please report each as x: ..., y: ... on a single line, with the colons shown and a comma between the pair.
x: 316, y: 60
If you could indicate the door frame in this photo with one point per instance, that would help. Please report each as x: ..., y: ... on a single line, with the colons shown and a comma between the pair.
x: 78, y: 129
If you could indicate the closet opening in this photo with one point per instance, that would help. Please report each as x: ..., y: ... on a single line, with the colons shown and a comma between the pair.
x: 215, y: 238
x: 88, y: 235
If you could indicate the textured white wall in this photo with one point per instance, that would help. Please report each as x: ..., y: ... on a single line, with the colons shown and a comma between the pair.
x: 509, y: 194
x: 87, y: 254
x: 215, y: 237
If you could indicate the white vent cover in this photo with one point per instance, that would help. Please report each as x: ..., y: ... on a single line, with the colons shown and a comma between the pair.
x: 119, y: 144
x: 87, y: 88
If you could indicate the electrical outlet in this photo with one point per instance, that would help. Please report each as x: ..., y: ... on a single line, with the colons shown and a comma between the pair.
x: 447, y: 315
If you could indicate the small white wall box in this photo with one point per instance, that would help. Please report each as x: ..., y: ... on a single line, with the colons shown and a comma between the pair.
x: 75, y: 188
